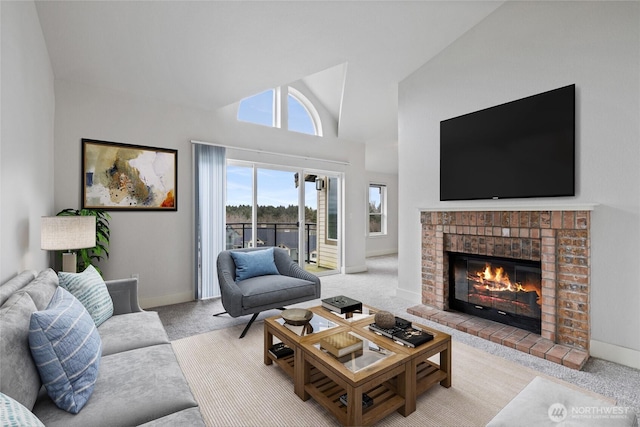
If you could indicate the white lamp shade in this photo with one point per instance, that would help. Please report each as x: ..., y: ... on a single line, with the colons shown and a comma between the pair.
x: 67, y: 232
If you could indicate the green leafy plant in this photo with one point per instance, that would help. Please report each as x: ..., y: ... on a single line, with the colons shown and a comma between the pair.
x: 91, y: 256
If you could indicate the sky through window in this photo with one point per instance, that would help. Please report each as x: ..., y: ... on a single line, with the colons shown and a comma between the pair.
x: 258, y: 109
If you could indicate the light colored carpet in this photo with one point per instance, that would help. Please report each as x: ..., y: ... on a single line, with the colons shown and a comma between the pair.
x: 377, y: 288
x: 235, y: 388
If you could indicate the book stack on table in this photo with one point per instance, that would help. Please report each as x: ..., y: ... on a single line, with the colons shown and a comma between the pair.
x: 342, y: 304
x: 342, y: 345
x: 403, y: 333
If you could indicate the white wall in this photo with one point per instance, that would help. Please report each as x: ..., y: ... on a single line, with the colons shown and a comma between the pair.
x: 158, y: 245
x: 387, y: 244
x: 521, y: 49
x: 26, y: 151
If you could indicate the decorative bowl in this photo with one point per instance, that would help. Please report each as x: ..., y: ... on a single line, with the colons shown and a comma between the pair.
x: 385, y: 319
x: 297, y: 316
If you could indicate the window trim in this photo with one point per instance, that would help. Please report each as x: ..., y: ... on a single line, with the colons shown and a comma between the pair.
x: 309, y: 107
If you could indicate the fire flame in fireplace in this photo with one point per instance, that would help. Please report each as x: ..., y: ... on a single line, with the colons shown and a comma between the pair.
x: 496, y: 280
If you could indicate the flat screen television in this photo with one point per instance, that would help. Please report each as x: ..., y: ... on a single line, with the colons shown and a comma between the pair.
x: 520, y: 149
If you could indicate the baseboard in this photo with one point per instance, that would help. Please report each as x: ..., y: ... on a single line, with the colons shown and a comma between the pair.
x: 613, y: 353
x: 165, y: 300
x: 409, y: 296
x: 355, y: 269
x: 382, y: 252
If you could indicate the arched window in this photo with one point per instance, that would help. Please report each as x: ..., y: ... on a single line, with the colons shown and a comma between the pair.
x: 303, y: 117
x: 265, y: 109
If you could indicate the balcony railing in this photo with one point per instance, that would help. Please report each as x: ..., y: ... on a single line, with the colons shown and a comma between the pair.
x: 239, y: 235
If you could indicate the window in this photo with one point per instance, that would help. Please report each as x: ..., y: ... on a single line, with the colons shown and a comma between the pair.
x: 302, y: 116
x: 377, y: 209
x: 332, y: 209
x: 259, y: 109
x: 266, y: 109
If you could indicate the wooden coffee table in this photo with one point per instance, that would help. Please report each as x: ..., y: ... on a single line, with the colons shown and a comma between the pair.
x: 391, y: 374
x: 293, y: 337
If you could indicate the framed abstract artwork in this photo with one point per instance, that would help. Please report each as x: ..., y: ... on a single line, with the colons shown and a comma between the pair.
x: 119, y: 176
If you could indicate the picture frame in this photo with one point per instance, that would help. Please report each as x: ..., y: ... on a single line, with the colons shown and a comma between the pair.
x: 127, y: 177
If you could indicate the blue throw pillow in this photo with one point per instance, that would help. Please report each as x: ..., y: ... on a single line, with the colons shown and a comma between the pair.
x: 13, y: 414
x: 91, y: 291
x: 254, y: 263
x: 66, y: 347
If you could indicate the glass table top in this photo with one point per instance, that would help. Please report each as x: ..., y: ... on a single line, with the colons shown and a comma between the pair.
x: 360, y: 352
x: 315, y: 325
x: 354, y: 316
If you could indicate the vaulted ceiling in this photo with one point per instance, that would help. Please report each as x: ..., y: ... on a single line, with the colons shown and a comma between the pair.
x: 210, y: 54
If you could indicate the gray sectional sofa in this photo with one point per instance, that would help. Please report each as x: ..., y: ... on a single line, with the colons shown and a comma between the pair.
x: 139, y: 382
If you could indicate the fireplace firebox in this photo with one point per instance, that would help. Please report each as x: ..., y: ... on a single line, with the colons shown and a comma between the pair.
x: 504, y: 290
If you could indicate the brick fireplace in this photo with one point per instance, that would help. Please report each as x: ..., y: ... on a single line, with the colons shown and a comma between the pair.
x: 558, y: 239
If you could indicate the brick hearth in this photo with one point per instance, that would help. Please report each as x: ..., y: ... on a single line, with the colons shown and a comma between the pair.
x: 560, y: 240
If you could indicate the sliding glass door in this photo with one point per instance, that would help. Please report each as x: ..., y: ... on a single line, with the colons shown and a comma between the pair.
x: 239, y: 206
x: 277, y: 210
x: 263, y: 209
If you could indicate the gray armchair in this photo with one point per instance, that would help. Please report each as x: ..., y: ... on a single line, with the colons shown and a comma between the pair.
x: 256, y: 294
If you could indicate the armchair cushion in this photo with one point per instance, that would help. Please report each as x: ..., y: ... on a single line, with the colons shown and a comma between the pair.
x: 291, y: 284
x: 254, y: 263
x: 272, y: 291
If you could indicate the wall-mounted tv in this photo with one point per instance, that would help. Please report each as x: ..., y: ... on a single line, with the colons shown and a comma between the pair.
x: 524, y: 148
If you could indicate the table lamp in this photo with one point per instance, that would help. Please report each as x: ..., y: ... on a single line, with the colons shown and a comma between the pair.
x: 66, y: 233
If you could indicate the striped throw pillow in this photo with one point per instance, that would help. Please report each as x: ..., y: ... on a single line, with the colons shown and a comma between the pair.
x: 66, y: 347
x: 91, y: 291
x: 13, y: 414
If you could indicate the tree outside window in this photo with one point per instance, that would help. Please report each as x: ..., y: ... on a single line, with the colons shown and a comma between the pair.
x: 377, y: 209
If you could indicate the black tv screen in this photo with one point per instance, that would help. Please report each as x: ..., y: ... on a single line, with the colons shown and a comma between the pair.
x: 524, y: 148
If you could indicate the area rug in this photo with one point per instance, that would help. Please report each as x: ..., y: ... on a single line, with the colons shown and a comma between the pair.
x: 235, y: 388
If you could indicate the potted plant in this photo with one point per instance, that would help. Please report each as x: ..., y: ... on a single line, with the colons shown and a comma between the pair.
x: 91, y: 256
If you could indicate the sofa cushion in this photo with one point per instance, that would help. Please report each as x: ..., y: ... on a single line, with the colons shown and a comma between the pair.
x: 134, y: 387
x: 269, y: 290
x: 20, y: 281
x: 91, y: 291
x: 42, y: 288
x: 254, y: 263
x: 19, y: 377
x: 187, y: 417
x: 130, y: 331
x: 66, y: 347
x: 13, y: 414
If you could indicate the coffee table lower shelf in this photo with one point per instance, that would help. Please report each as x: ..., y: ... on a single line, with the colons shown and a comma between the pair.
x: 327, y: 393
x: 427, y: 375
x: 287, y: 364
